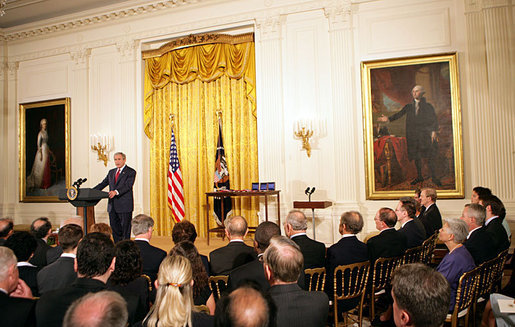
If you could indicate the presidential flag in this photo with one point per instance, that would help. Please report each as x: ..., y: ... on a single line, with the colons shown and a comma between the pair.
x: 221, y: 179
x: 175, y: 185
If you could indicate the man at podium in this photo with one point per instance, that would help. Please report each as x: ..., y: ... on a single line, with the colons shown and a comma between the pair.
x: 121, y: 200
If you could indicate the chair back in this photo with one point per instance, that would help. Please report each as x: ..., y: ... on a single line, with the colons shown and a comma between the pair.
x: 429, y: 246
x: 217, y: 285
x: 315, y: 279
x: 413, y: 255
x: 465, y: 295
x: 202, y: 308
x: 350, y: 281
x: 383, y: 269
x: 499, y: 270
x: 149, y: 282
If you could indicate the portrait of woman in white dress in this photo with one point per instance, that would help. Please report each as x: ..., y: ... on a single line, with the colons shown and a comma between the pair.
x: 40, y: 176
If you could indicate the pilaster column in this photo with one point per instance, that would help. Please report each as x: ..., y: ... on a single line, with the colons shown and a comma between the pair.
x: 270, y: 121
x: 345, y: 115
x: 491, y: 98
x: 11, y: 143
x: 79, y: 81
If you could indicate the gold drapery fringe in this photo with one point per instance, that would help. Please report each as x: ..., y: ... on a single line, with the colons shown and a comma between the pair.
x: 192, y: 84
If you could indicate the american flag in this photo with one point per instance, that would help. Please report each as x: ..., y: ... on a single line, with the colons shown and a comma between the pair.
x: 175, y: 185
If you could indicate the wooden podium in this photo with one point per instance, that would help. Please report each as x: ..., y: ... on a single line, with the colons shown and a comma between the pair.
x: 312, y: 205
x: 85, y: 203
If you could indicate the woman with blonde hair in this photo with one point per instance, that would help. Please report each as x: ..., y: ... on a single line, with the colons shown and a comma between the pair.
x: 174, y: 299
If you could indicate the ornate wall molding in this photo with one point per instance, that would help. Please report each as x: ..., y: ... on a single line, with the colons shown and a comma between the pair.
x: 339, y: 14
x: 127, y: 48
x: 472, y: 6
x: 270, y: 27
x: 12, y: 68
x: 80, y: 56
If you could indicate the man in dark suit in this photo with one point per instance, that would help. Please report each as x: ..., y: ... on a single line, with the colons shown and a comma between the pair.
x: 15, y: 296
x: 61, y: 273
x: 431, y: 218
x: 283, y: 264
x: 223, y: 260
x: 6, y: 229
x: 121, y: 199
x: 295, y: 228
x: 478, y: 242
x: 389, y: 242
x: 421, y: 129
x: 412, y: 228
x: 347, y: 251
x: 41, y: 229
x: 94, y: 263
x: 151, y: 256
x: 254, y: 270
x: 23, y: 245
x: 493, y: 224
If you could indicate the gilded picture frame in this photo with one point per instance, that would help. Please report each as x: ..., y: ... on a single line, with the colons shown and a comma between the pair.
x: 412, y: 126
x: 44, y: 150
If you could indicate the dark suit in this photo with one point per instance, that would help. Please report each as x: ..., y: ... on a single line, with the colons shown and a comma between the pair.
x: 17, y: 312
x: 347, y: 251
x: 498, y: 235
x: 39, y: 257
x: 432, y: 220
x: 151, y: 258
x: 296, y: 307
x: 223, y: 260
x: 121, y: 206
x: 205, y: 262
x: 414, y: 232
x: 53, y: 254
x: 480, y: 246
x: 52, y: 305
x: 389, y: 243
x: 313, y: 251
x: 56, y: 275
x: 30, y: 276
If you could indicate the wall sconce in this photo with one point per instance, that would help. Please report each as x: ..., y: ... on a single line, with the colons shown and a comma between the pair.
x: 303, y: 130
x: 102, y: 145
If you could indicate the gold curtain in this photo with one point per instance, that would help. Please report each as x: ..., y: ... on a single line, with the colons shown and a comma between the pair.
x: 192, y: 84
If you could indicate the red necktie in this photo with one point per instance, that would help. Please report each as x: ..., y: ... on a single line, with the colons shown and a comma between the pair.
x: 117, y: 174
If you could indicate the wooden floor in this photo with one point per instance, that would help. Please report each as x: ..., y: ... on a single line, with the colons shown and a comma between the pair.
x: 166, y: 243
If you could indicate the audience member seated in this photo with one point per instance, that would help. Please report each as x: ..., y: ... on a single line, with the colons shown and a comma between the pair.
x: 105, y: 308
x: 478, y: 193
x: 55, y: 252
x: 15, y: 296
x: 174, y: 300
x: 431, y: 217
x: 223, y: 260
x: 418, y: 205
x: 420, y: 296
x: 390, y: 242
x: 493, y: 224
x: 295, y: 228
x: 458, y: 261
x: 61, y: 273
x: 478, y: 242
x: 41, y: 229
x: 185, y: 231
x: 492, y: 314
x: 126, y: 278
x: 253, y: 271
x: 95, y: 263
x: 347, y: 251
x: 412, y: 228
x: 6, y: 229
x: 283, y: 263
x: 101, y: 228
x: 201, y: 291
x: 245, y: 306
x: 23, y: 245
x: 151, y: 256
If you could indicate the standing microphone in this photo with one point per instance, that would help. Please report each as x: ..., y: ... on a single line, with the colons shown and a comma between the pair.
x: 306, y: 191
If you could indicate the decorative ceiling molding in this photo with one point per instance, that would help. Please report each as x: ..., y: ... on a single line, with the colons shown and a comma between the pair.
x: 99, y: 18
x: 198, y: 39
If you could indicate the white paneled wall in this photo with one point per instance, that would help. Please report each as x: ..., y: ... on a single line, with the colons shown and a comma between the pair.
x: 308, y: 56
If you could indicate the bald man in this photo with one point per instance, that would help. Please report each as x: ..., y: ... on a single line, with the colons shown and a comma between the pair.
x: 223, y: 260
